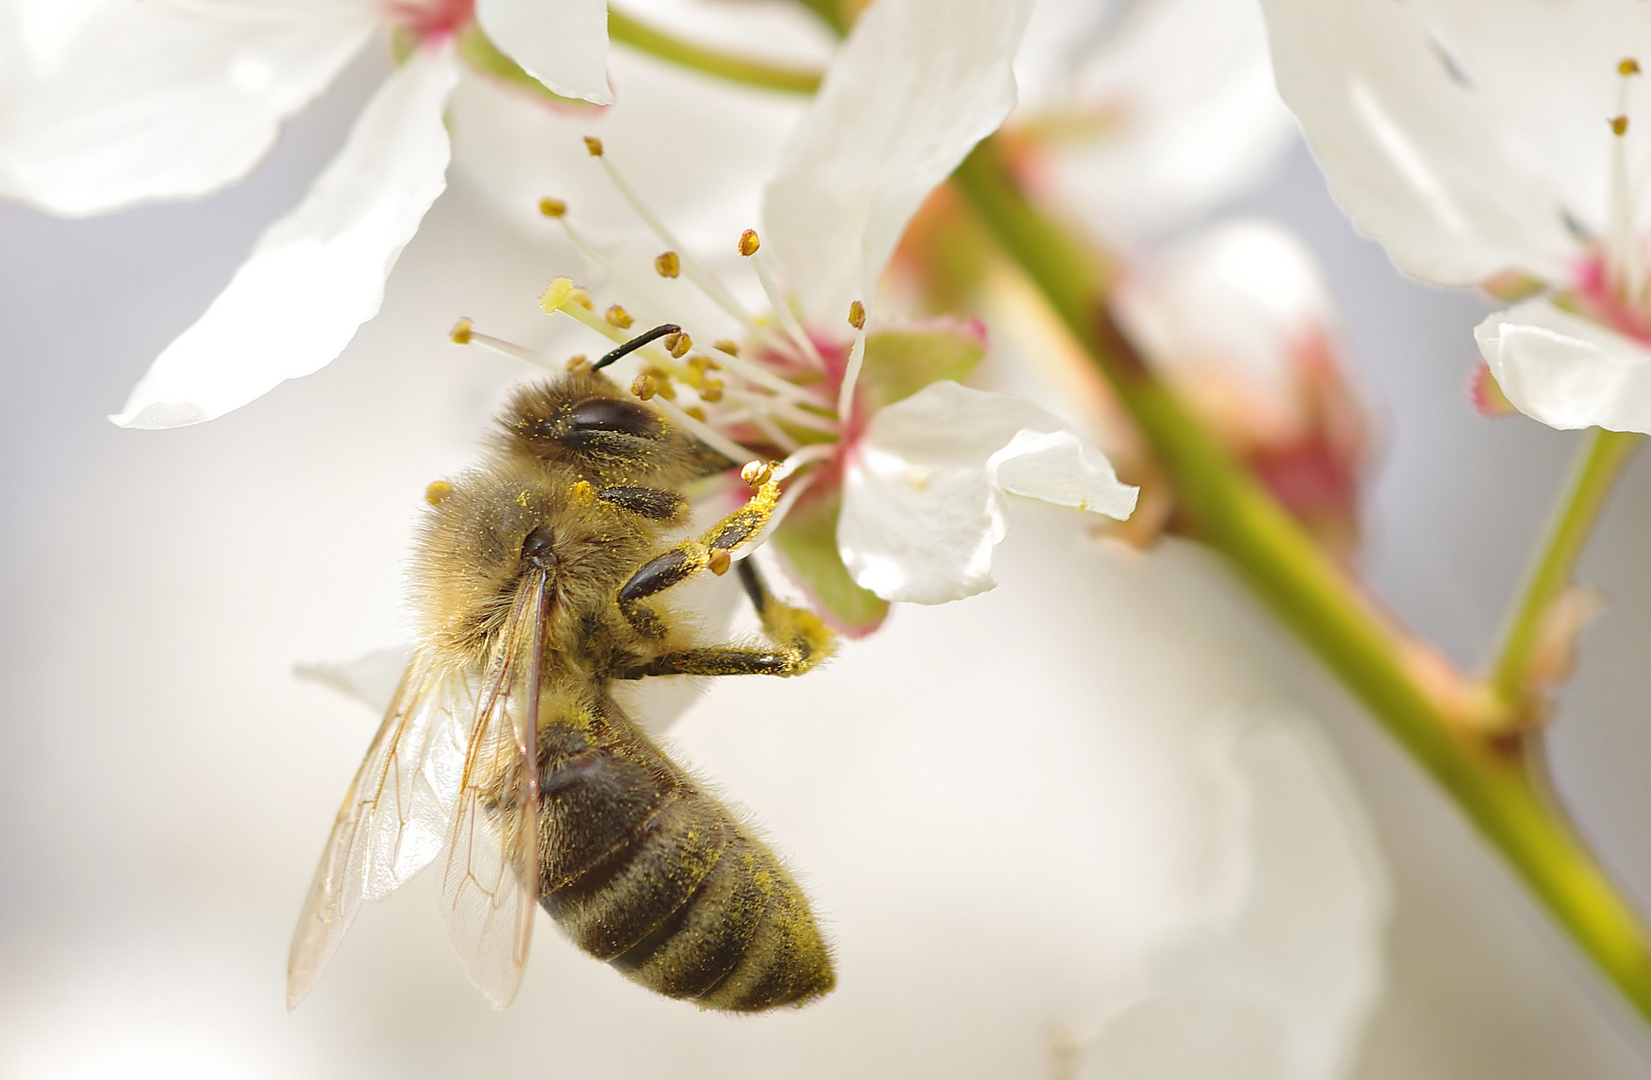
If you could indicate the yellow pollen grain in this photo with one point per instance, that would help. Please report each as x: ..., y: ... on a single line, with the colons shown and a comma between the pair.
x: 668, y: 265
x: 857, y: 315
x: 578, y: 362
x: 618, y: 316
x: 1628, y: 66
x: 582, y: 494
x: 437, y: 492
x: 460, y: 334
x: 732, y: 348
x: 711, y: 390
x: 1619, y: 125
x: 719, y: 562
x: 594, y: 145
x: 756, y: 473
x: 643, y: 386
x: 552, y: 208
x: 749, y: 242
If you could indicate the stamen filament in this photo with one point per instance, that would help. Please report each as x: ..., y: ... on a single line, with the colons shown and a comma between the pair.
x: 707, y: 282
x: 781, y: 508
x: 782, y: 311
x: 772, y: 432
x: 851, y: 374
x: 804, y: 457
x: 761, y: 376
x: 706, y: 434
x: 515, y: 352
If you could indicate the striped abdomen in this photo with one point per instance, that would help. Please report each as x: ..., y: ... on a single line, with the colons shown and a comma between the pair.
x: 645, y: 870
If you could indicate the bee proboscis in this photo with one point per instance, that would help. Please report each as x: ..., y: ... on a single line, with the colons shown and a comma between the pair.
x: 504, y: 760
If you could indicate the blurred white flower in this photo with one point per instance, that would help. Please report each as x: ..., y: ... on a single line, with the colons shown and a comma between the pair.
x: 1504, y: 151
x: 1140, y: 115
x: 1238, y: 319
x: 107, y: 103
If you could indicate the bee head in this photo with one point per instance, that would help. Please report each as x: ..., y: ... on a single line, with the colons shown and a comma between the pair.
x: 590, y: 425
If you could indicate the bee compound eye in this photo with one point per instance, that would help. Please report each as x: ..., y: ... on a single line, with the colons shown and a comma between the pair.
x: 539, y: 547
x: 614, y: 415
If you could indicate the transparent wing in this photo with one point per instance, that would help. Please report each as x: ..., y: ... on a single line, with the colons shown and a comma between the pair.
x: 394, y: 818
x: 490, y: 884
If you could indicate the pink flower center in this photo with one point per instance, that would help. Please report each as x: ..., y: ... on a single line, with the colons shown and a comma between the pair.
x: 1602, y: 300
x: 430, y: 20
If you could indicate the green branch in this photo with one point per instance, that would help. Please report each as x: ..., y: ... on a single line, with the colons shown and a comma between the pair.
x: 1604, y: 454
x: 1232, y: 513
x: 724, y: 65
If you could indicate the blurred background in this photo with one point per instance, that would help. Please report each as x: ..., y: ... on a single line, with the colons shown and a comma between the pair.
x: 166, y: 784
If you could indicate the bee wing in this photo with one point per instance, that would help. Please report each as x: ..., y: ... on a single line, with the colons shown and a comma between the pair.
x: 490, y: 884
x: 394, y: 818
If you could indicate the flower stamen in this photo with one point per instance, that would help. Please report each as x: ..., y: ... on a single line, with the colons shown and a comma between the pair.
x: 748, y: 245
x: 856, y: 360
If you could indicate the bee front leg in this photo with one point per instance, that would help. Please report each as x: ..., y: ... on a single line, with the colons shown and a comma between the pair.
x: 800, y: 639
x: 710, y: 551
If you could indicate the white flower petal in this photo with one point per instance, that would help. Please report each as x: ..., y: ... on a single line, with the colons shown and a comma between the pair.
x: 916, y: 85
x: 317, y: 274
x: 370, y: 678
x: 1280, y: 986
x: 922, y: 493
x: 1181, y: 92
x: 1454, y: 179
x: 1058, y: 467
x: 562, y: 43
x: 126, y: 102
x: 1567, y: 371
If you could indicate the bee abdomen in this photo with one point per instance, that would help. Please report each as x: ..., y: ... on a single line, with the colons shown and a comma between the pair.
x: 693, y: 907
x: 745, y: 941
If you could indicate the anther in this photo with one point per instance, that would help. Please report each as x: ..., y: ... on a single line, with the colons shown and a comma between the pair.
x: 581, y: 296
x: 678, y: 343
x: 719, y: 562
x: 1628, y: 66
x: 594, y: 145
x: 749, y: 242
x: 460, y: 334
x: 711, y: 390
x: 618, y: 316
x: 695, y: 412
x: 756, y: 473
x: 438, y: 492
x: 1619, y: 125
x: 552, y: 208
x: 578, y: 362
x: 636, y: 343
x: 643, y: 386
x: 857, y: 315
x: 669, y: 265
x: 732, y: 348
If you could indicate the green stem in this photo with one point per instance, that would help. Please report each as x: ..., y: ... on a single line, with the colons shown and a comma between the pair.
x: 723, y: 65
x: 1231, y: 512
x: 1604, y: 453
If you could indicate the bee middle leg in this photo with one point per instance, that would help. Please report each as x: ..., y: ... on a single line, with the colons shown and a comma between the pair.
x: 800, y: 641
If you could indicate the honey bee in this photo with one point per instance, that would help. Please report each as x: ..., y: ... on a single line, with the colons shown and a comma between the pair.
x: 504, y: 759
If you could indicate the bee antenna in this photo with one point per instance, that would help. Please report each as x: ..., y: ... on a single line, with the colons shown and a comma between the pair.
x: 636, y: 343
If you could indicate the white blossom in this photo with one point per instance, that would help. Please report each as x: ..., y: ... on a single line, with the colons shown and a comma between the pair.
x: 106, y: 103
x: 1502, y: 149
